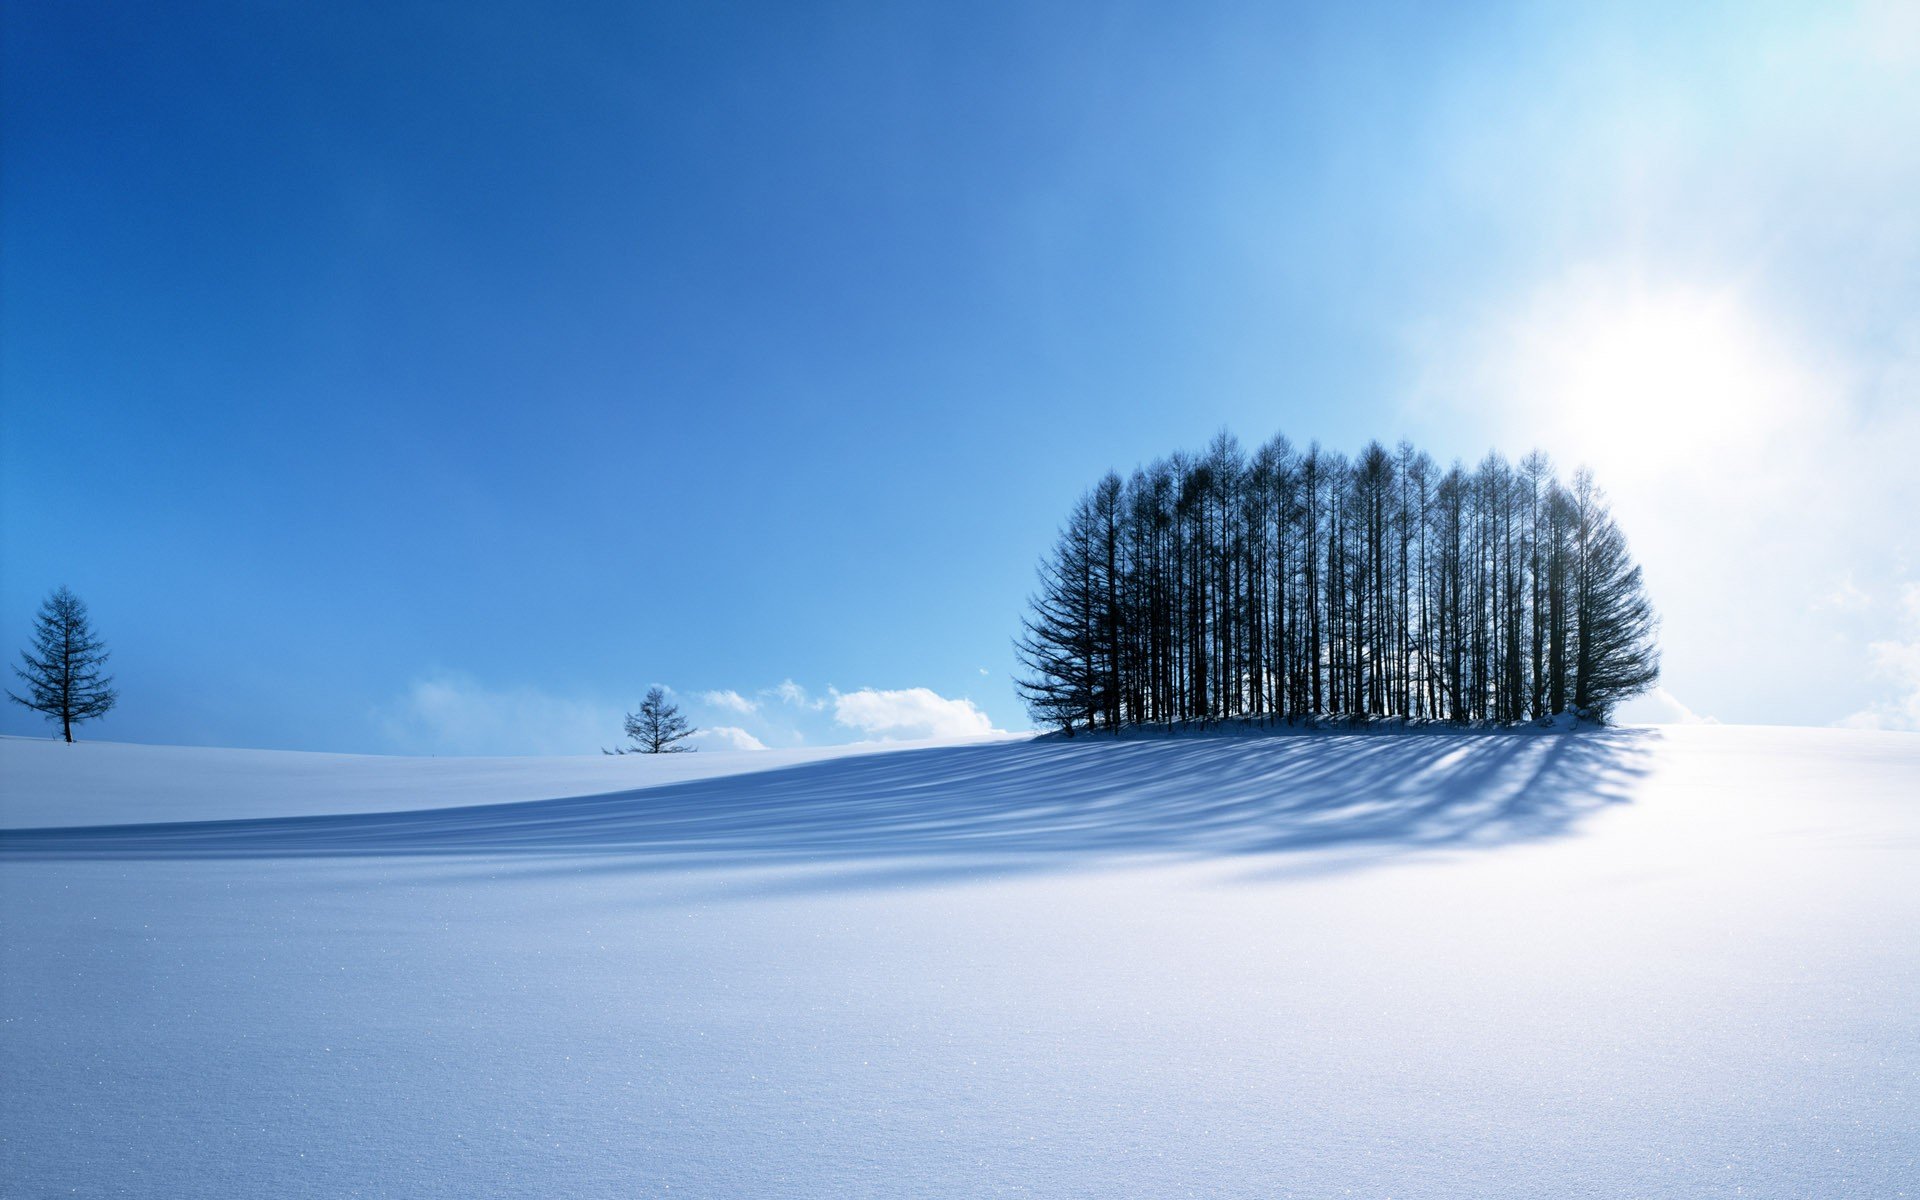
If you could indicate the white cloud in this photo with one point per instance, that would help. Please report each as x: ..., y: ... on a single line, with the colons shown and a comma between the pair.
x: 1847, y: 597
x: 729, y: 737
x: 1897, y: 660
x: 909, y: 713
x: 456, y: 714
x: 453, y: 714
x: 731, y: 701
x: 790, y: 693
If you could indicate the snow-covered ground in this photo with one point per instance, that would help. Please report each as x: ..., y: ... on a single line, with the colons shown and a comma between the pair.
x: 48, y: 782
x: 1675, y: 962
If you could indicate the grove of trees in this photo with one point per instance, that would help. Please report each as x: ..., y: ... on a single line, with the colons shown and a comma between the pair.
x: 1299, y: 583
x: 62, y: 669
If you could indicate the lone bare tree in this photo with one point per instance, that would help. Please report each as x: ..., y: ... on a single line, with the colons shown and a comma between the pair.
x: 658, y: 728
x: 62, y: 670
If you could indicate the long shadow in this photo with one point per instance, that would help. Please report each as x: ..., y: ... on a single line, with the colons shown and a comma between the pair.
x: 1021, y: 805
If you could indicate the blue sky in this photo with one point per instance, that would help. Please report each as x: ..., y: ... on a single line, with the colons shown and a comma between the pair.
x: 434, y: 378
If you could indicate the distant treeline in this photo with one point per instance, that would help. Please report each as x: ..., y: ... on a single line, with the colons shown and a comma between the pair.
x: 1300, y: 583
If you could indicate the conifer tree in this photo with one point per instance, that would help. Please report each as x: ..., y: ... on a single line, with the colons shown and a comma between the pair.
x: 1616, y: 656
x: 1059, y: 637
x: 62, y: 669
x: 658, y: 728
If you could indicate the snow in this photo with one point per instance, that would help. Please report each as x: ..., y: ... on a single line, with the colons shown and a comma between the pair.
x: 48, y: 782
x: 1656, y: 962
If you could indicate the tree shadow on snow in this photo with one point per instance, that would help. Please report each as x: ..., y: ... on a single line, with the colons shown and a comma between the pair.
x: 927, y: 814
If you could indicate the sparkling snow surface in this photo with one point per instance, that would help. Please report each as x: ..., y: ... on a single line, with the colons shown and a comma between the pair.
x: 1677, y: 962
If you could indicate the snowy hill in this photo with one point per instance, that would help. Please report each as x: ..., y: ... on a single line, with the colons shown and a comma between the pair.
x: 107, y: 783
x: 1672, y: 962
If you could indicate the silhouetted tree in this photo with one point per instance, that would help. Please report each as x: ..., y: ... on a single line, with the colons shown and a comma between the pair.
x: 1614, y: 622
x: 62, y: 669
x: 658, y: 728
x: 1060, y: 637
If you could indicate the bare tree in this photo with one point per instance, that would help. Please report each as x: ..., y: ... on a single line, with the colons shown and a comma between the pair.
x: 658, y: 728
x: 62, y: 670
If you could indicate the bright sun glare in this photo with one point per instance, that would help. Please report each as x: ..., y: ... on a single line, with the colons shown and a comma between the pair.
x: 1640, y: 382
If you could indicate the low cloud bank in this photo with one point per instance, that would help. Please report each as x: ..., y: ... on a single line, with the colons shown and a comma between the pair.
x: 451, y: 713
x: 455, y: 714
x: 727, y: 737
x: 1896, y: 660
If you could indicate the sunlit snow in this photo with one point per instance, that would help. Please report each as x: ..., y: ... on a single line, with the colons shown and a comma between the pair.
x: 1672, y: 962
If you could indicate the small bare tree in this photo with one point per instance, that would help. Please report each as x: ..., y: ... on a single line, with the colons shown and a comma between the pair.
x: 658, y: 728
x: 62, y: 670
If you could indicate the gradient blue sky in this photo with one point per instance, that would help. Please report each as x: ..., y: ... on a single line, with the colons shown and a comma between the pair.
x: 432, y: 378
